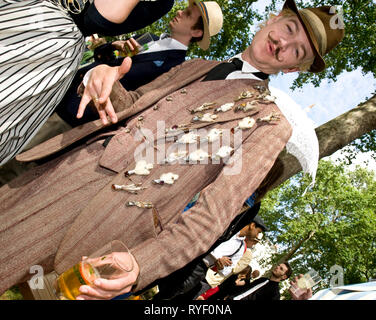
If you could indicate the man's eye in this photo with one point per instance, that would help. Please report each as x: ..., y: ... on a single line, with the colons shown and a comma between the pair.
x: 297, y: 53
x: 289, y: 28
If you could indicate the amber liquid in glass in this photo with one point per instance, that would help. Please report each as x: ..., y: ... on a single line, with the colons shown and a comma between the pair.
x: 69, y: 282
x: 133, y: 52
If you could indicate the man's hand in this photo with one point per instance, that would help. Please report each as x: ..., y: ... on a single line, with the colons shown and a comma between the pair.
x: 223, y: 262
x: 240, y: 281
x: 118, y: 45
x: 125, y: 46
x: 99, y: 89
x: 96, y: 42
x: 298, y: 293
x: 104, y: 289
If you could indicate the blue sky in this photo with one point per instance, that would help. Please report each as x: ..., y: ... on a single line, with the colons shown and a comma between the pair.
x: 330, y: 99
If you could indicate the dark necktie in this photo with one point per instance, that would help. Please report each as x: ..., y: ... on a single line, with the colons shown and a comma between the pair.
x: 221, y: 71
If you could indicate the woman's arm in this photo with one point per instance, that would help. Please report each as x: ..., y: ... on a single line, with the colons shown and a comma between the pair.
x: 116, y: 11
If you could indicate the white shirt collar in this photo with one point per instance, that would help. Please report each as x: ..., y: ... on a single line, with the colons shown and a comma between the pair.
x: 246, y: 72
x: 238, y: 237
x: 164, y: 43
x: 164, y: 35
x: 247, y: 68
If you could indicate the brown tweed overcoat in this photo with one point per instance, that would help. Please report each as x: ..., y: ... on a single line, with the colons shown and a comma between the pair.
x: 66, y: 208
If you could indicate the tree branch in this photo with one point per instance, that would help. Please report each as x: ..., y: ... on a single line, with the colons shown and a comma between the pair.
x: 334, y: 135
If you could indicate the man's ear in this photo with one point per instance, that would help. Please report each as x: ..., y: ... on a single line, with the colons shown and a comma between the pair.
x: 197, y: 33
x: 289, y: 70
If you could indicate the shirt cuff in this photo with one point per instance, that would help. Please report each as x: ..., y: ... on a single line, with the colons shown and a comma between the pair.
x: 86, y: 78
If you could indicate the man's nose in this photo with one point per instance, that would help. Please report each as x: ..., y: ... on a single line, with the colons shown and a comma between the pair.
x: 286, y: 42
x: 283, y: 43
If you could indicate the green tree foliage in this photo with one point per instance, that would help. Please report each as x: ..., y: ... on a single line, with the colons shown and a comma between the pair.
x: 340, y: 210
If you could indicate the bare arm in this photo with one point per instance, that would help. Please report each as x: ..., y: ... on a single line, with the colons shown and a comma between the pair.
x: 116, y: 11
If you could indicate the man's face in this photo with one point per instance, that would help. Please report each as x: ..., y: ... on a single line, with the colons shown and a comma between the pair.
x: 252, y: 231
x: 281, y: 45
x: 280, y: 270
x: 184, y: 20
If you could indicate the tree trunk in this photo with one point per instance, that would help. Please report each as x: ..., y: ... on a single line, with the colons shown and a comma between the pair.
x: 334, y: 135
x: 295, y: 248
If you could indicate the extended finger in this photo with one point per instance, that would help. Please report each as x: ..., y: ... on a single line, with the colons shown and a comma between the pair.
x: 129, y: 46
x: 86, y: 98
x: 103, y: 116
x: 106, y: 91
x: 133, y: 43
x: 110, y: 111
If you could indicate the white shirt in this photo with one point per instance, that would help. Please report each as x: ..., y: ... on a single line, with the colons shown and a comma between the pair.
x: 226, y: 249
x: 245, y: 73
x: 303, y: 143
x: 164, y: 43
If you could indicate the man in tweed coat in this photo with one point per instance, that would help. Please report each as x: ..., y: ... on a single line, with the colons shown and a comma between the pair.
x: 66, y: 208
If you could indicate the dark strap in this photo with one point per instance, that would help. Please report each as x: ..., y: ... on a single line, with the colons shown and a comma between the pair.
x: 241, y: 244
x: 221, y: 71
x: 261, y: 75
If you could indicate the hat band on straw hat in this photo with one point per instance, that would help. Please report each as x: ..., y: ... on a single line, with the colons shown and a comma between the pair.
x: 317, y: 27
x: 212, y: 18
x: 203, y: 11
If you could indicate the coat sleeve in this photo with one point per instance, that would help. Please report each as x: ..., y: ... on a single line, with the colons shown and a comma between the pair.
x: 219, y: 203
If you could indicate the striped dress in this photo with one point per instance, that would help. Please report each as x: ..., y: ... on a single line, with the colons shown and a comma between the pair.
x: 40, y: 51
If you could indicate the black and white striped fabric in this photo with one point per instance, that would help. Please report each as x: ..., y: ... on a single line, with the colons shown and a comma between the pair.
x: 40, y: 51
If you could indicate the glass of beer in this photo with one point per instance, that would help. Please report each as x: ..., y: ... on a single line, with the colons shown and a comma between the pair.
x: 139, y: 44
x: 110, y: 262
x: 308, y: 280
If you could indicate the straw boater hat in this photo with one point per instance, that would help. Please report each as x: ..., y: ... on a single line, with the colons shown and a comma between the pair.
x: 317, y: 24
x: 211, y: 14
